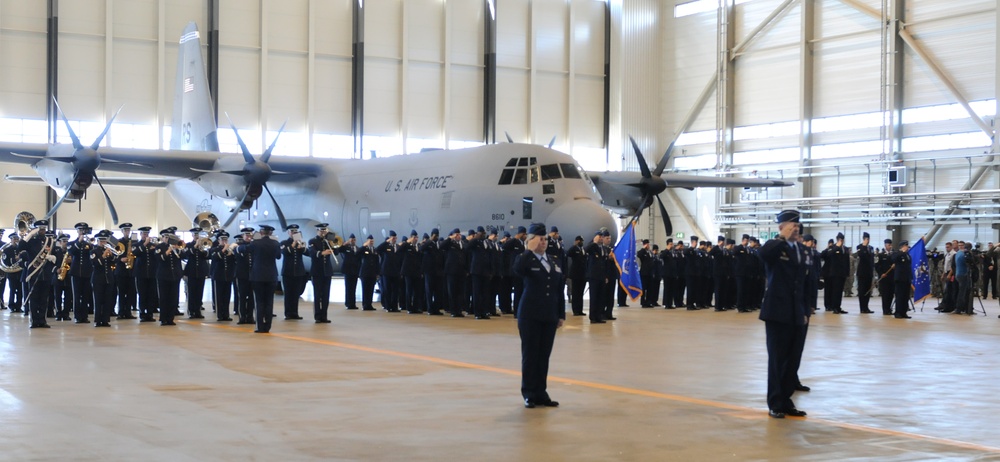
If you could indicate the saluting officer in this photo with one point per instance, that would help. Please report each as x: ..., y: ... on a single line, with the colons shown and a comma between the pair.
x: 321, y: 252
x: 103, y: 280
x: 293, y: 270
x: 597, y: 277
x: 244, y: 288
x: 412, y: 260
x: 432, y: 267
x: 350, y: 266
x: 223, y: 274
x: 456, y: 270
x: 511, y: 250
x: 265, y: 253
x: 145, y: 274
x: 389, y: 272
x: 125, y: 275
x: 481, y: 271
x: 80, y: 273
x: 542, y: 311
x: 368, y: 273
x: 168, y: 275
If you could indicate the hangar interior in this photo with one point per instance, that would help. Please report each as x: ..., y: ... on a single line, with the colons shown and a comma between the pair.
x: 881, y: 112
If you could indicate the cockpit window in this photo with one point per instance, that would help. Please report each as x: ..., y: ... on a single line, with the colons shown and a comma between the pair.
x: 512, y: 162
x: 521, y: 176
x: 570, y: 171
x: 506, y: 176
x: 550, y: 172
x: 522, y: 162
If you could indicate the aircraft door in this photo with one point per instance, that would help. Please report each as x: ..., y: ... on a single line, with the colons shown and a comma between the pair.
x: 363, y: 215
x: 526, y: 208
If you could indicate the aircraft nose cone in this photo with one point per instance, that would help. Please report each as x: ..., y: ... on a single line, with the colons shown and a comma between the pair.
x: 581, y: 217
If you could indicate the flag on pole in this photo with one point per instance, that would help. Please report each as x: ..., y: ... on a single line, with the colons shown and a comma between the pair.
x: 921, y: 272
x: 624, y: 256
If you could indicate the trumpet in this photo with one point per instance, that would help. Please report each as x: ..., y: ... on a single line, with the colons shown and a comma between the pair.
x: 113, y: 249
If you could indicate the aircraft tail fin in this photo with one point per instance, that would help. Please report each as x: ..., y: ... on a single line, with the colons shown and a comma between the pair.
x: 194, y: 125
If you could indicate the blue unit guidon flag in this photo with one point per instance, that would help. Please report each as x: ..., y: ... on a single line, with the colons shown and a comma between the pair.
x: 628, y: 267
x: 921, y: 272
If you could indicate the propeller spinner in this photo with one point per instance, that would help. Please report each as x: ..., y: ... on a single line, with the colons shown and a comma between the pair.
x: 255, y: 174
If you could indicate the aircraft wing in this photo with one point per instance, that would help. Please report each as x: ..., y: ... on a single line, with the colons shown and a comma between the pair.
x: 153, y: 182
x: 168, y: 163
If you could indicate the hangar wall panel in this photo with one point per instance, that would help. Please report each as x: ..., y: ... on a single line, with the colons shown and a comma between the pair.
x: 466, y: 32
x: 22, y: 74
x: 134, y: 81
x: 239, y: 68
x: 466, y: 94
x: 425, y: 110
x: 332, y: 95
x: 425, y: 30
x: 513, y: 97
x: 689, y: 51
x: 287, y: 91
x: 334, y: 23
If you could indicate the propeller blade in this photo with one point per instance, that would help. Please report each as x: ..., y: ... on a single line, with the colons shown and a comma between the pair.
x: 642, y: 208
x: 62, y: 199
x: 32, y: 156
x: 97, y: 142
x: 121, y: 162
x: 667, y: 226
x: 552, y: 142
x: 281, y: 172
x: 227, y: 172
x: 236, y: 212
x: 642, y: 162
x: 72, y: 135
x: 267, y: 154
x: 107, y: 198
x: 509, y: 139
x: 662, y: 164
x: 277, y: 208
x: 246, y: 152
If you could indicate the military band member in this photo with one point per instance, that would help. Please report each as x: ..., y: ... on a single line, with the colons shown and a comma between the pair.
x: 368, y: 273
x: 144, y: 269
x: 15, y: 300
x: 80, y: 272
x: 245, y: 304
x: 293, y: 270
x: 125, y: 273
x: 103, y: 280
x: 223, y: 274
x: 197, y: 271
x: 168, y: 276
x: 350, y: 266
x: 321, y: 251
x: 264, y: 253
x: 432, y: 268
x: 62, y: 295
x: 35, y: 281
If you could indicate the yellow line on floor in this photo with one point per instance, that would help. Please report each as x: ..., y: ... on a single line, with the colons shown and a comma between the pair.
x: 620, y: 389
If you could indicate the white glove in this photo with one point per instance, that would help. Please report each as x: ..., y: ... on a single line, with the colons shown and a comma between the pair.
x: 51, y: 258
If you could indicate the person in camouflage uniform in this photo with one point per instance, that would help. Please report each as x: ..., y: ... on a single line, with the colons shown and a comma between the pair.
x: 849, y: 283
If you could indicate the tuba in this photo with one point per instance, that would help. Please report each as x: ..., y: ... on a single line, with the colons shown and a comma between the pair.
x: 209, y: 224
x: 22, y: 223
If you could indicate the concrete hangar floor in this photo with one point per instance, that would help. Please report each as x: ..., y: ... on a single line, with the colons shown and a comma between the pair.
x: 653, y: 385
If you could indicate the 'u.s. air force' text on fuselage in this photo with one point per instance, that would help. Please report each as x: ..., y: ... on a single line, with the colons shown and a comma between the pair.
x: 418, y: 184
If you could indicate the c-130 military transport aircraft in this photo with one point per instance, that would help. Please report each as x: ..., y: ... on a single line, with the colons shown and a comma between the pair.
x: 499, y: 185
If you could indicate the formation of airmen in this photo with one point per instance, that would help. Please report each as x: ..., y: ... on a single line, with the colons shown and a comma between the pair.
x: 456, y: 274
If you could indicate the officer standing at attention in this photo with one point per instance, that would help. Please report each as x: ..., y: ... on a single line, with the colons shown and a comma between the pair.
x: 321, y: 251
x: 223, y: 274
x: 350, y: 265
x: 576, y: 262
x: 865, y: 272
x: 784, y: 312
x: 903, y: 280
x: 542, y: 311
x: 368, y: 273
x: 293, y: 271
x: 457, y: 271
x: 884, y: 268
x: 432, y: 267
x: 265, y: 253
x: 597, y: 278
x: 511, y: 250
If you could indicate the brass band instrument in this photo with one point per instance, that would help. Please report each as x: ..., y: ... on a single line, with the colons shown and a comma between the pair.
x: 22, y: 222
x: 64, y: 269
x: 38, y: 262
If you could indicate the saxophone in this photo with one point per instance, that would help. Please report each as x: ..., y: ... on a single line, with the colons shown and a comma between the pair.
x: 64, y: 269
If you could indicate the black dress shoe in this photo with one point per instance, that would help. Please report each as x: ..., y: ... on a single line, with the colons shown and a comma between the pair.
x: 776, y: 414
x: 197, y: 316
x: 260, y: 331
x: 801, y: 387
x: 102, y: 324
x: 323, y: 321
x: 550, y: 403
x: 598, y: 321
x: 578, y: 314
x: 369, y: 309
x: 435, y: 313
x: 610, y: 318
x: 225, y: 319
x: 40, y: 326
x: 147, y: 320
x: 352, y: 307
x: 167, y: 324
x: 82, y: 321
x: 483, y: 317
x: 292, y: 317
x: 529, y: 404
x: 903, y: 317
x: 795, y: 412
x: 458, y: 315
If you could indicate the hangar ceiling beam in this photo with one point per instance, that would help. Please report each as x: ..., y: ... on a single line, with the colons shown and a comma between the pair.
x: 490, y: 73
x: 358, y: 78
x: 756, y: 32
